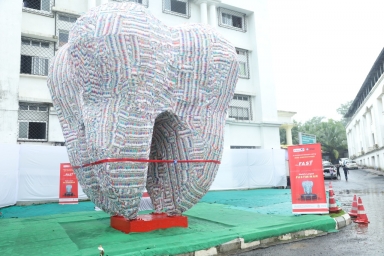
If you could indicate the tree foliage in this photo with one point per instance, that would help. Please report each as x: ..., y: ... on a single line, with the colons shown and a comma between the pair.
x: 342, y: 110
x: 330, y: 133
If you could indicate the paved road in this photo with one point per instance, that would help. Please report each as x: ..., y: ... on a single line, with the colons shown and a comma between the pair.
x: 354, y: 239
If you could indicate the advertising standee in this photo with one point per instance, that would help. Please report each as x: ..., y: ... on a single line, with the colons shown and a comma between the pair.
x: 307, y: 179
x: 68, y: 191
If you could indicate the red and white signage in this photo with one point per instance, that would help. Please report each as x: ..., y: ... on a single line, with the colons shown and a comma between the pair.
x: 68, y: 192
x: 307, y: 179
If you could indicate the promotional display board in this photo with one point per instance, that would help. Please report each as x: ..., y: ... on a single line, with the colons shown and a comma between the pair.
x: 68, y: 185
x: 307, y: 179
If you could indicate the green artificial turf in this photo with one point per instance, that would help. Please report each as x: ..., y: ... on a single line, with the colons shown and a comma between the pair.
x: 210, y: 224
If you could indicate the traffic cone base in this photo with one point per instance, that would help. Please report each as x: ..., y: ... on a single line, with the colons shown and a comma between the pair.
x: 335, y: 210
x: 361, y: 215
x: 362, y: 221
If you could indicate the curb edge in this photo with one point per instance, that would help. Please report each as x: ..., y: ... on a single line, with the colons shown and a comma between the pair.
x: 238, y: 244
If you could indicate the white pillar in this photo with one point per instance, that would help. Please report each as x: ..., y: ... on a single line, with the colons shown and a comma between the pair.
x: 91, y: 4
x: 203, y: 12
x: 349, y: 141
x: 381, y: 120
x: 364, y: 132
x: 288, y: 133
x: 355, y: 142
x: 369, y: 129
x: 359, y: 137
x: 212, y: 15
x: 382, y: 103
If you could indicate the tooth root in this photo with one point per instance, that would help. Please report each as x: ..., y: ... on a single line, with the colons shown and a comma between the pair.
x: 176, y: 187
x: 117, y: 187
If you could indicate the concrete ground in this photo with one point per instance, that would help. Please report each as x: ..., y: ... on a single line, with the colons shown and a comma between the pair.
x: 223, y: 222
x: 355, y: 239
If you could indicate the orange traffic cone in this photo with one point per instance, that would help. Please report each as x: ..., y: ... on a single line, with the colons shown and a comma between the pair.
x: 332, y: 202
x: 361, y: 216
x: 353, y: 212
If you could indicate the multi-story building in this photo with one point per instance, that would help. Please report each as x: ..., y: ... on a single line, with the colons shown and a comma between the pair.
x: 33, y: 30
x: 365, y: 129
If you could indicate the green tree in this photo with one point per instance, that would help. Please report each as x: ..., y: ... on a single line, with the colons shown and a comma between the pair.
x: 333, y: 138
x: 312, y: 126
x: 331, y: 134
x: 342, y: 110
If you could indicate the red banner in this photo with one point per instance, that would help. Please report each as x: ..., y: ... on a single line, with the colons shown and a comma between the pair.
x: 307, y: 179
x: 68, y: 185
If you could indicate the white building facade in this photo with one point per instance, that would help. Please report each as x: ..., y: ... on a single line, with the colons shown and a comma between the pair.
x: 365, y: 129
x: 33, y: 30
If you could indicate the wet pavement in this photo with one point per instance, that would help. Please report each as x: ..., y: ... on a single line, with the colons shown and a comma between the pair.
x: 355, y: 239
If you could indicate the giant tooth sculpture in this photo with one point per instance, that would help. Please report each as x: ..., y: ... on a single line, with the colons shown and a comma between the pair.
x: 131, y: 93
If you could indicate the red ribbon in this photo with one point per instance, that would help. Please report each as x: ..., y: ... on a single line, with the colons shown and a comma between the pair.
x: 116, y: 160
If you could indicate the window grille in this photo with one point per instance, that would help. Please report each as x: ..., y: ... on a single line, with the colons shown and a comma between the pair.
x: 240, y: 108
x: 244, y: 147
x: 35, y: 56
x: 38, y: 6
x: 232, y: 20
x: 64, y: 23
x: 177, y: 7
x: 33, y: 122
x: 63, y: 37
x: 142, y: 2
x: 242, y: 58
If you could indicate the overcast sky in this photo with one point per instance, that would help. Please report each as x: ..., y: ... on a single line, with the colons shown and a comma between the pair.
x: 322, y: 52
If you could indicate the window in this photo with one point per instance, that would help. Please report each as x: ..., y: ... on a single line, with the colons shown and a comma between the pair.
x: 244, y: 147
x: 177, y: 7
x: 39, y: 66
x: 242, y: 58
x: 142, y: 2
x: 33, y: 120
x: 35, y: 56
x: 64, y: 23
x: 240, y: 108
x: 239, y: 113
x: 67, y: 18
x: 63, y: 37
x: 232, y: 19
x: 38, y: 6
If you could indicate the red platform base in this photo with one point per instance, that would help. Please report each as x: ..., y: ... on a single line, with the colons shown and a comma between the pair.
x: 148, y: 222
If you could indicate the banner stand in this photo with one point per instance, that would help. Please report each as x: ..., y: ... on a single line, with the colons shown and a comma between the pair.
x: 68, y: 190
x: 307, y: 179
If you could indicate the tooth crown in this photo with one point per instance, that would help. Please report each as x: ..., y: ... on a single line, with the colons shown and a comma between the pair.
x: 127, y: 86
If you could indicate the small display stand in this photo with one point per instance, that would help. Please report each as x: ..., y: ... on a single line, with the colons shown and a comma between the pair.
x: 148, y: 222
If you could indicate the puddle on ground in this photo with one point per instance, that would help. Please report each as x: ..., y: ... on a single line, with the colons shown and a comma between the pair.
x: 361, y: 228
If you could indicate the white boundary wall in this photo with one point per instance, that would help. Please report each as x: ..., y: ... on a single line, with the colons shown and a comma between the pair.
x: 31, y: 173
